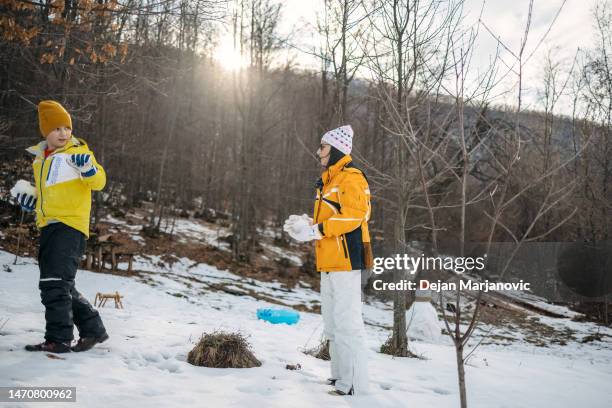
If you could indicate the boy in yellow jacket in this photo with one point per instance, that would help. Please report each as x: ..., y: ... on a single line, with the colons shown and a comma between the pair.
x: 65, y: 173
x: 340, y: 229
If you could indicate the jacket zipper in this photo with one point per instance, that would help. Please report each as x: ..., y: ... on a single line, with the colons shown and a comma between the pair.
x: 316, y: 220
x: 42, y: 168
x: 49, y: 172
x: 320, y: 188
x: 344, y: 246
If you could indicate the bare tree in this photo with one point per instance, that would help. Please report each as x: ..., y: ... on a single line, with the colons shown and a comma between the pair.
x: 407, y: 62
x: 341, y: 29
x: 502, y: 192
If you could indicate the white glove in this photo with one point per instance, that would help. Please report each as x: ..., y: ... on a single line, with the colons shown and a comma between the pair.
x: 301, y: 229
x: 294, y: 219
x: 292, y: 222
x: 306, y: 233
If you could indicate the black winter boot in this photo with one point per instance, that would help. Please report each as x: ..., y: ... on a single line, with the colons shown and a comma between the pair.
x: 50, y: 347
x: 86, y: 343
x: 341, y: 393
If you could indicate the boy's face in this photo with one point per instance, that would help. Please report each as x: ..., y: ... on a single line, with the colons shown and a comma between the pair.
x: 58, y: 137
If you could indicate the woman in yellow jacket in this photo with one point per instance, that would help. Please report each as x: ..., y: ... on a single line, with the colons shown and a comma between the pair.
x: 340, y: 228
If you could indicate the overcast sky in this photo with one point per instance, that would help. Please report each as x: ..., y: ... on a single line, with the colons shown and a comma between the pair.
x: 506, y: 18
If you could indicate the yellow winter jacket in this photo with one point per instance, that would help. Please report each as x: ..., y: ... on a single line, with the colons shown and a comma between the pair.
x: 63, y: 194
x: 342, y: 212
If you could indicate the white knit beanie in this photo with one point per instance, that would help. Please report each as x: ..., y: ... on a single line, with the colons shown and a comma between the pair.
x: 341, y: 138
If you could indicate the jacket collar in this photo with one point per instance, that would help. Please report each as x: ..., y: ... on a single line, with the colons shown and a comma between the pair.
x: 38, y: 150
x: 336, y: 168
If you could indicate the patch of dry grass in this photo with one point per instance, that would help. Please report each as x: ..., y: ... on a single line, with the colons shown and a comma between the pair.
x: 223, y: 350
x: 321, y: 351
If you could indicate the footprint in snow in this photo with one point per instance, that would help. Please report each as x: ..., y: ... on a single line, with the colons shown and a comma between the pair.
x: 440, y: 391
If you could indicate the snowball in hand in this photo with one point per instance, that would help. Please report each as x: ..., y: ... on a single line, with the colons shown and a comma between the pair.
x: 23, y: 187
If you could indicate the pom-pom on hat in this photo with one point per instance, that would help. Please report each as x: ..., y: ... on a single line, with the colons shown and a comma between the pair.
x: 341, y: 138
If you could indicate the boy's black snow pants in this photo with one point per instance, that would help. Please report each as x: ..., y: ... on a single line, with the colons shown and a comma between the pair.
x: 59, y: 255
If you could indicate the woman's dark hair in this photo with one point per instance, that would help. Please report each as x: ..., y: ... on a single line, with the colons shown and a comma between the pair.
x: 334, y: 156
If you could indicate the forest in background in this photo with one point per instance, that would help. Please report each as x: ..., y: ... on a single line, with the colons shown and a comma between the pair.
x: 173, y: 126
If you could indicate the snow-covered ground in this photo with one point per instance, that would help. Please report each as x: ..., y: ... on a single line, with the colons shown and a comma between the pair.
x: 167, y: 309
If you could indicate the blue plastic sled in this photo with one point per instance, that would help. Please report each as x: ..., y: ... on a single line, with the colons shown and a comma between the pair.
x: 276, y: 316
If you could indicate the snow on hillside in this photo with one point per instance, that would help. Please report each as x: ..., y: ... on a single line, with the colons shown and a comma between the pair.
x: 167, y: 309
x: 198, y: 231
